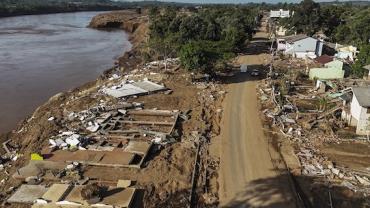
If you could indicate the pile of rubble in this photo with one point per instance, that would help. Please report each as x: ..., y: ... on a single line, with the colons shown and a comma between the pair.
x: 310, y: 115
x: 115, y: 133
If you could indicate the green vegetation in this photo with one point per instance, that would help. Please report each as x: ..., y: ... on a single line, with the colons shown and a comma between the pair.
x: 203, y: 39
x: 21, y: 7
x: 24, y: 7
x: 363, y: 59
x: 343, y: 23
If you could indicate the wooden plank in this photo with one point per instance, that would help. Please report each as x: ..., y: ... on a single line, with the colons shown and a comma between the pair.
x: 159, y: 123
x: 152, y: 113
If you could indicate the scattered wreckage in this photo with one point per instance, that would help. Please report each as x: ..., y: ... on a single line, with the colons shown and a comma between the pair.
x: 116, y: 135
x: 307, y: 115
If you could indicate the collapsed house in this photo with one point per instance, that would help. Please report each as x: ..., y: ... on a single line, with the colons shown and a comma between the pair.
x: 300, y: 46
x: 357, y: 114
x: 331, y: 70
x: 347, y: 53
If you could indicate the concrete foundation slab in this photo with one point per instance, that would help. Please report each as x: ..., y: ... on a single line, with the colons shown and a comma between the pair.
x: 27, y: 194
x: 56, y: 192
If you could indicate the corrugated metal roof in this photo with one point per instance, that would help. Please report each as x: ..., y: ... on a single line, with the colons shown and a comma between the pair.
x: 363, y: 95
x: 324, y: 59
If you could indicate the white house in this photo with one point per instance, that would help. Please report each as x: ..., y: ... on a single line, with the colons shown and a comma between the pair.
x: 347, y: 52
x: 300, y: 46
x: 279, y: 13
x: 359, y: 110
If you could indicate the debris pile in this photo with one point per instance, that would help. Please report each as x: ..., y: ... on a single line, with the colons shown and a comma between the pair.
x: 310, y: 116
x: 123, y: 128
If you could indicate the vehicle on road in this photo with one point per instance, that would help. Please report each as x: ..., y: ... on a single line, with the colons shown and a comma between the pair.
x: 255, y: 72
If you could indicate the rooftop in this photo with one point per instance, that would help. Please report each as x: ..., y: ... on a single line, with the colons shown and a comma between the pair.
x: 324, y: 59
x: 363, y: 95
x: 294, y: 38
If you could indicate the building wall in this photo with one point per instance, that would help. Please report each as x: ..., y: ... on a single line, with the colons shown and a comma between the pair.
x: 363, y: 125
x: 362, y: 117
x: 332, y: 70
x: 326, y: 73
x: 319, y: 47
x: 281, y: 44
x: 355, y: 108
x: 305, y: 45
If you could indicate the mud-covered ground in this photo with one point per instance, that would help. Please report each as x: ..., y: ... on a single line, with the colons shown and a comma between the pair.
x: 165, y: 178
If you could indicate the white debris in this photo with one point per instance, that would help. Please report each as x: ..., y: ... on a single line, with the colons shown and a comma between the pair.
x: 70, y: 166
x: 40, y: 201
x: 157, y: 140
x: 93, y: 127
x: 363, y: 180
x: 335, y: 171
x: 73, y: 140
x: 51, y: 118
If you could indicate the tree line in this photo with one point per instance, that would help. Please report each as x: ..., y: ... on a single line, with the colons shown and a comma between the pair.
x: 24, y: 7
x: 343, y: 23
x: 204, y: 38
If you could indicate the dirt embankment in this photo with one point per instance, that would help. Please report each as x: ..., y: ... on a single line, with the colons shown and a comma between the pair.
x: 126, y: 19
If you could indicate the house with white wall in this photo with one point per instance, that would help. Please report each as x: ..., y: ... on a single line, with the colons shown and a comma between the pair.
x: 347, y: 52
x: 359, y: 114
x: 300, y: 46
x: 279, y: 13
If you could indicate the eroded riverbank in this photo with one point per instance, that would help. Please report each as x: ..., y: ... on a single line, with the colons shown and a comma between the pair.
x: 42, y: 55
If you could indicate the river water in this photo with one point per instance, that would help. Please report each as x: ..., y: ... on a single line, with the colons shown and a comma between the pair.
x: 41, y: 55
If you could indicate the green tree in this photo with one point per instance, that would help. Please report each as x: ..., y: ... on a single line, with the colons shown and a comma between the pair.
x: 193, y: 56
x: 363, y: 59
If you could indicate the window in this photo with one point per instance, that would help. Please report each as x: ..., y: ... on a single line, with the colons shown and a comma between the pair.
x: 368, y: 110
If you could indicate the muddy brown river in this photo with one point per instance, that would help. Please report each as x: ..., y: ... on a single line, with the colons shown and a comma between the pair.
x: 41, y: 55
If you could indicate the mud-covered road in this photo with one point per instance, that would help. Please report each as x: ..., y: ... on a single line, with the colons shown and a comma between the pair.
x: 251, y: 172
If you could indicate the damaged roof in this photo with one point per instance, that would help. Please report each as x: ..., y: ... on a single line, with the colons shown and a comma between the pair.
x: 363, y: 95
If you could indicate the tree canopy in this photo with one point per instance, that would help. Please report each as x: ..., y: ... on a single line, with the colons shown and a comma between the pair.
x: 201, y: 38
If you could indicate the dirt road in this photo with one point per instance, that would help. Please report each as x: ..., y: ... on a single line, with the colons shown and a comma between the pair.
x: 251, y: 172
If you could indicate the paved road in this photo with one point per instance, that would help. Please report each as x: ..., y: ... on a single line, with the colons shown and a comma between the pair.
x: 251, y: 172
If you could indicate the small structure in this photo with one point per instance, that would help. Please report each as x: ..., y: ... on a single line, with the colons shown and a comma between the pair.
x: 244, y: 68
x: 331, y: 70
x: 300, y: 46
x: 347, y: 52
x: 281, y: 31
x: 359, y: 114
x: 279, y: 13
